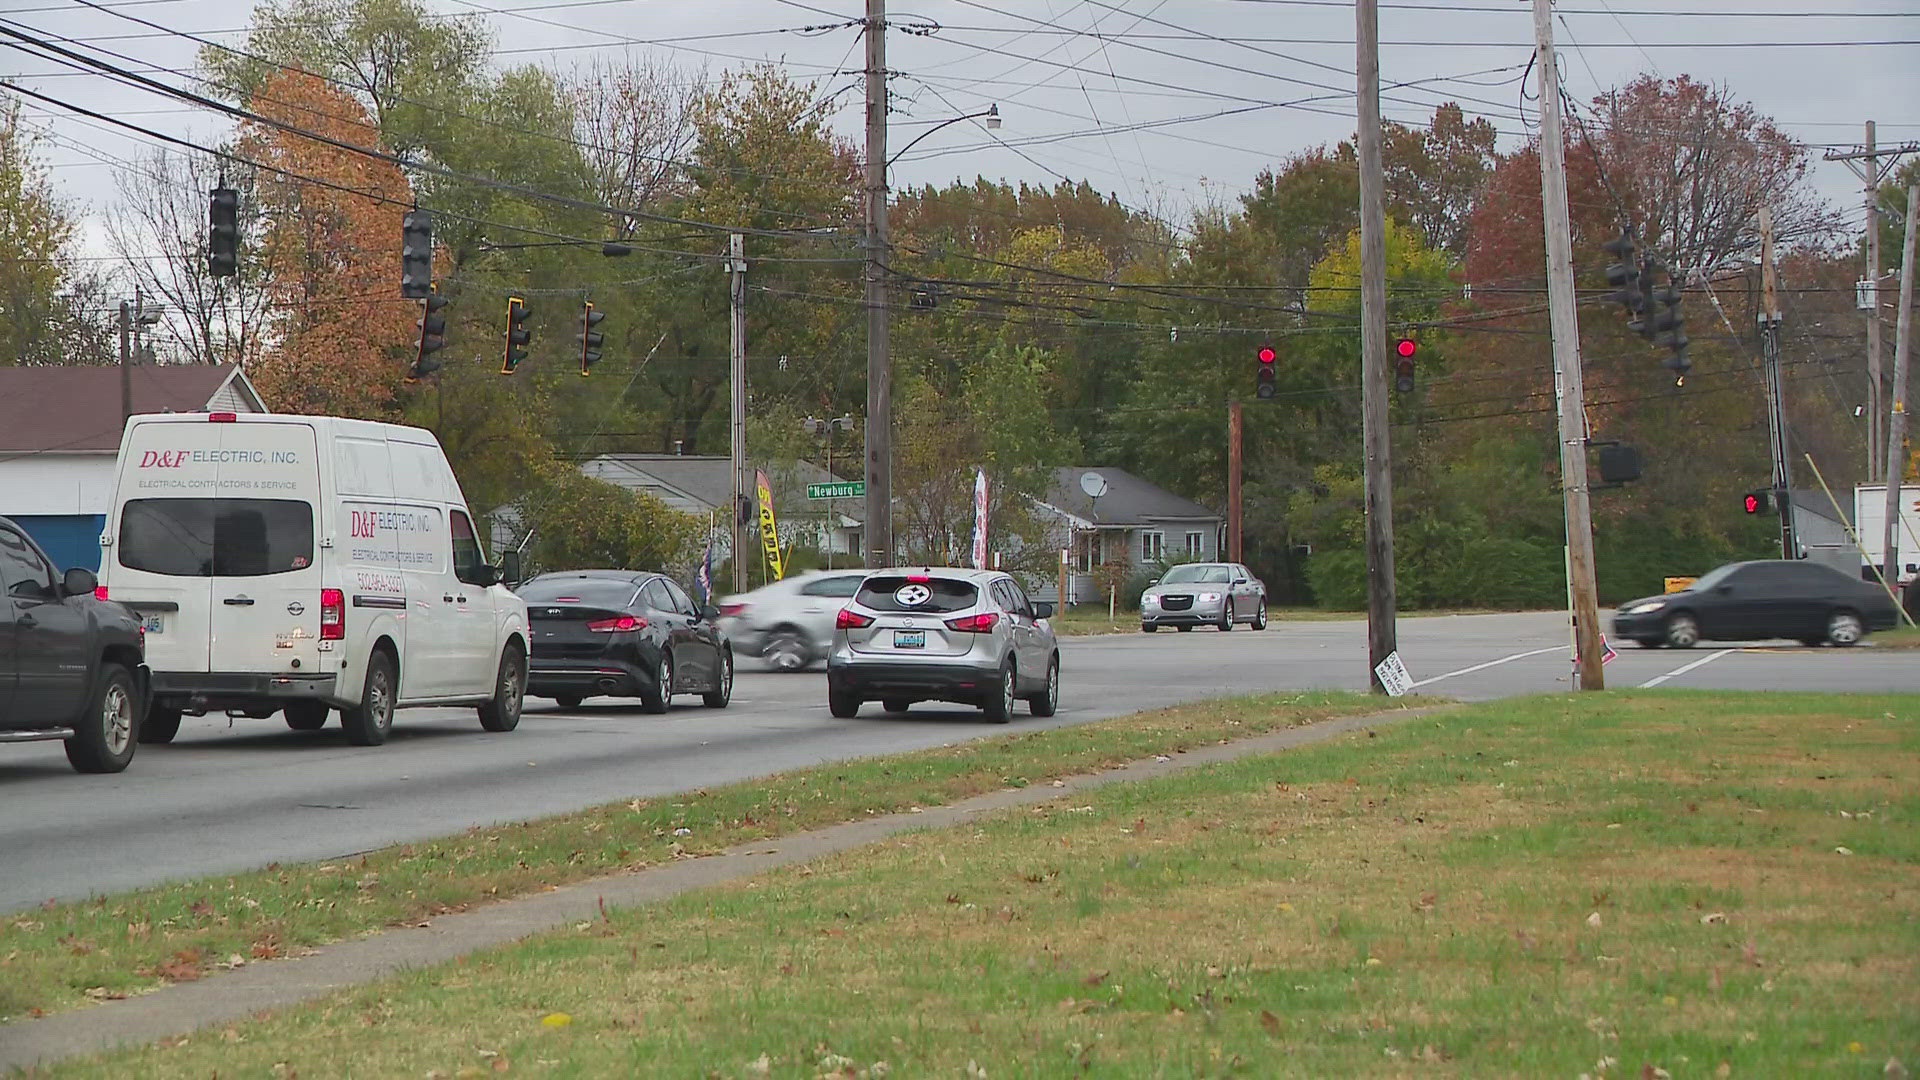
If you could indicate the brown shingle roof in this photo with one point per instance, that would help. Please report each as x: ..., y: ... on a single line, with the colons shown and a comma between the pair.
x: 50, y: 407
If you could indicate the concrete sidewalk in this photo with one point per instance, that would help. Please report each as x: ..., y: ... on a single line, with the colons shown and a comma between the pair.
x: 229, y: 996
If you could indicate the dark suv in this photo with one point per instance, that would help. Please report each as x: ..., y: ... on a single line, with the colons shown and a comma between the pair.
x: 72, y: 667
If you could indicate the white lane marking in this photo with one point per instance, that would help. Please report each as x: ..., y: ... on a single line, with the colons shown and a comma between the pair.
x: 1490, y: 663
x: 1679, y: 671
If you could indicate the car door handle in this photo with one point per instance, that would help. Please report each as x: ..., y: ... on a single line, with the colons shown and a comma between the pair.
x: 463, y: 599
x: 238, y: 601
x: 446, y: 599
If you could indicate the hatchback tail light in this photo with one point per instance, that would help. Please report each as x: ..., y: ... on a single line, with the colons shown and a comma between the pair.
x: 99, y: 592
x: 975, y: 624
x: 849, y: 619
x: 333, y: 615
x: 623, y: 624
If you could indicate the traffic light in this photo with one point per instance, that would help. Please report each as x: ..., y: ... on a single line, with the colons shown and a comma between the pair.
x: 223, y: 241
x: 1264, y: 386
x: 590, y: 339
x: 433, y: 329
x: 1404, y: 351
x: 1756, y: 502
x: 416, y: 254
x: 518, y: 336
x: 1624, y: 274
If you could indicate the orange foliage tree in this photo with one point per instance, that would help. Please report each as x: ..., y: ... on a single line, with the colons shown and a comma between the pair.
x: 341, y: 333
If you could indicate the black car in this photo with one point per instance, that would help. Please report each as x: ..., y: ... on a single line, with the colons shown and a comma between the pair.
x: 623, y: 633
x: 1750, y: 601
x: 72, y: 667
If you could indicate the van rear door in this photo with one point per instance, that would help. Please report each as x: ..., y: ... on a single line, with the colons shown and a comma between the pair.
x: 265, y: 614
x: 161, y: 562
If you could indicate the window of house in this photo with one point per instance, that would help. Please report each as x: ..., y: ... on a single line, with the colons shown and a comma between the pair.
x: 1196, y: 545
x: 1153, y: 546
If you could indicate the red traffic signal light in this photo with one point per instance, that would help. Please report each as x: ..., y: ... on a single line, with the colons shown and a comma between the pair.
x: 1406, y: 348
x: 1264, y: 386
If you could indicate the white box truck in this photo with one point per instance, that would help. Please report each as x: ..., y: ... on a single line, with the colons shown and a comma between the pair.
x: 301, y: 564
x: 1870, y: 524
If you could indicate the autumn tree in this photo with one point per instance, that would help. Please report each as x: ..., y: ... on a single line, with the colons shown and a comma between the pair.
x: 340, y: 332
x: 36, y: 230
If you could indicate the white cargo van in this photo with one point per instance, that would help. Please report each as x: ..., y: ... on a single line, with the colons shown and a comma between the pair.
x: 301, y: 564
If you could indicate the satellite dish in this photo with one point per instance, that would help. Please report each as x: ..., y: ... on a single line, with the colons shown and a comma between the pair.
x: 1093, y: 484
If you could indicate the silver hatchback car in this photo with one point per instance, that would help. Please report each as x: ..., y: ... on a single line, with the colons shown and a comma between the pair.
x: 969, y: 636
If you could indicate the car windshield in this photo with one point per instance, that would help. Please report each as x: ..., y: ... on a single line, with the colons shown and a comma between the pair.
x: 1713, y: 577
x: 1197, y: 574
x: 603, y: 592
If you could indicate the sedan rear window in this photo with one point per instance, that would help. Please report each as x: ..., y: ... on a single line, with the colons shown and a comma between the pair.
x: 216, y: 537
x: 602, y: 593
x: 900, y: 592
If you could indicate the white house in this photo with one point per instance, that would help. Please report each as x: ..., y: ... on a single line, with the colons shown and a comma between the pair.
x: 1132, y: 521
x: 60, y: 438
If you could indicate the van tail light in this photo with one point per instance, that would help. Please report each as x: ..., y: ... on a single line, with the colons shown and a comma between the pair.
x: 623, y: 624
x: 99, y: 592
x: 333, y: 615
x: 975, y: 624
x: 223, y: 418
x: 849, y: 619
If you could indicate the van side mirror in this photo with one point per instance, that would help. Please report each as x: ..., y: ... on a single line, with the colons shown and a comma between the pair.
x: 79, y: 581
x: 510, y: 567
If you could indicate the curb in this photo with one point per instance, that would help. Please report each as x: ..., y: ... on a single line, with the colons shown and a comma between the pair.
x: 184, y: 1008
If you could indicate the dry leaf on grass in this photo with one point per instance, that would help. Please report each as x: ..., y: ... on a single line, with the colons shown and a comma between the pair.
x: 1270, y: 1022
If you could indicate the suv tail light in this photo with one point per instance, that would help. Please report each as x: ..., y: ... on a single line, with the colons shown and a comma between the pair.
x: 621, y: 625
x: 975, y: 624
x: 849, y: 619
x: 333, y: 615
x: 99, y: 592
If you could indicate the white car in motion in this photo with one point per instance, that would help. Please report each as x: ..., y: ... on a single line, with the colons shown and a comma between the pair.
x: 789, y: 623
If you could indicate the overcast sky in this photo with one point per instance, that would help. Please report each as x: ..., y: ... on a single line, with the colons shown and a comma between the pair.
x: 1174, y: 103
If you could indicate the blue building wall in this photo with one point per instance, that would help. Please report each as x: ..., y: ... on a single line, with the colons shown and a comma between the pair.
x: 69, y: 539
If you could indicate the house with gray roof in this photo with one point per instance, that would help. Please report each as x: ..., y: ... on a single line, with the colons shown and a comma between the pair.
x: 702, y: 485
x: 1130, y: 521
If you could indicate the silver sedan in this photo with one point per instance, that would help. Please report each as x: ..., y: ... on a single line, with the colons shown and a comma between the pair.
x: 1204, y: 594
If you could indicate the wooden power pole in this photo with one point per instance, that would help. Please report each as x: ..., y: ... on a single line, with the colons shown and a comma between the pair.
x: 1235, y: 521
x: 879, y: 510
x: 1382, y: 638
x: 1568, y: 384
x: 737, y: 423
x: 1897, y: 420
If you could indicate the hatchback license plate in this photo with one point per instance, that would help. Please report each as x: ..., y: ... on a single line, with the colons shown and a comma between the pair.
x: 909, y: 639
x: 153, y: 624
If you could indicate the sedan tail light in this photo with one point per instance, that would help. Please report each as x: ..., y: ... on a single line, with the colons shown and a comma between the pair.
x: 729, y: 611
x: 621, y: 625
x: 333, y: 615
x: 849, y: 619
x: 982, y: 623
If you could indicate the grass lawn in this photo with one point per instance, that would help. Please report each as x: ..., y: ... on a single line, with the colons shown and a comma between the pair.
x: 63, y: 955
x: 1900, y: 637
x: 1622, y: 885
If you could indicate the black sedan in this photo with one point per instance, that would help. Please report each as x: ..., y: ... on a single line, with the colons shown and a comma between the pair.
x: 1752, y: 601
x: 625, y: 634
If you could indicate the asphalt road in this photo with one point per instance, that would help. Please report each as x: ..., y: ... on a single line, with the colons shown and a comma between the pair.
x: 227, y: 797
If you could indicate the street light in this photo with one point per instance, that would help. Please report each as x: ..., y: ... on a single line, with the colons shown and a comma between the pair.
x: 991, y: 119
x: 611, y: 249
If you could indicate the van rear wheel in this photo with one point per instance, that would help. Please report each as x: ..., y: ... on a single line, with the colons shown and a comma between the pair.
x: 160, y: 725
x: 367, y: 723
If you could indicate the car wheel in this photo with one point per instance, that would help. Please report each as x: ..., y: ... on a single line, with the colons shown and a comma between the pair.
x: 787, y: 650
x: 306, y: 715
x: 1048, y: 700
x: 367, y: 723
x: 999, y: 707
x: 896, y: 706
x: 502, y: 711
x: 1844, y: 628
x: 657, y: 699
x: 843, y: 706
x: 1185, y: 629
x: 1682, y: 631
x: 1148, y: 628
x: 569, y: 701
x: 722, y: 694
x: 103, y: 741
x: 1260, y: 615
x: 1226, y: 618
x: 160, y: 725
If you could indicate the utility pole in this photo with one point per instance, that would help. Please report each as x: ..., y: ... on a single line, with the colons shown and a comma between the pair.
x: 879, y: 523
x: 1377, y: 435
x: 126, y: 372
x: 1776, y: 389
x: 1569, y: 387
x: 1235, y: 522
x: 737, y: 381
x: 1865, y: 164
x: 1897, y: 422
